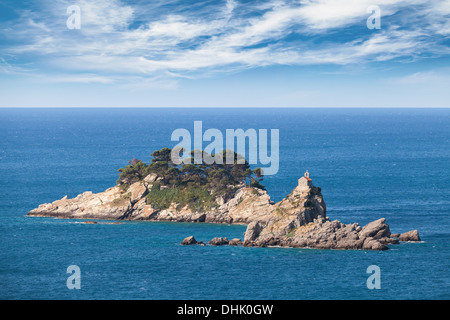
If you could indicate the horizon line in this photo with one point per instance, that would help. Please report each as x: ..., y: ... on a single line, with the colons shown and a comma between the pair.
x: 228, y: 107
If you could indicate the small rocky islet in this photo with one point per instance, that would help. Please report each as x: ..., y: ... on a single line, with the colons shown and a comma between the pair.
x: 308, y: 227
x: 163, y: 191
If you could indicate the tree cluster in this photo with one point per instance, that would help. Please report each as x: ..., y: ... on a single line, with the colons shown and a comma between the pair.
x: 215, y: 177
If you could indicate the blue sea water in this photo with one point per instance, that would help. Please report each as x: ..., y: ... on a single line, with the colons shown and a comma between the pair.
x: 370, y: 163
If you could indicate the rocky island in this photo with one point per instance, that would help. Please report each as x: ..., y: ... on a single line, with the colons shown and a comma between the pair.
x: 223, y: 193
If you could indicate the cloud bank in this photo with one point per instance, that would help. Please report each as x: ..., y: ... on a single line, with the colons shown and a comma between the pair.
x: 139, y: 44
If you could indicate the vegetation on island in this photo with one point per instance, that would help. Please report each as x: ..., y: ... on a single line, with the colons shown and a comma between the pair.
x: 195, y: 184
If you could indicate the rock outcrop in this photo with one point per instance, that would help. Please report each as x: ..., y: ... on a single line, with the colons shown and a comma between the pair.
x: 246, y: 205
x: 412, y: 235
x: 253, y: 231
x: 189, y: 241
x: 218, y: 241
x: 235, y: 242
x: 302, y: 206
x: 321, y: 234
x: 299, y: 220
x: 113, y: 203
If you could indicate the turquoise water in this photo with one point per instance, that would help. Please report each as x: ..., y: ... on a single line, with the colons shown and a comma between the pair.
x: 370, y: 163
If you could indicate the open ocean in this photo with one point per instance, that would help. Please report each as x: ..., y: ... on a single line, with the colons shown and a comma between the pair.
x: 370, y: 163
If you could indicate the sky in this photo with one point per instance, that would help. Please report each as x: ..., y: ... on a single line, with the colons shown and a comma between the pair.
x: 225, y: 53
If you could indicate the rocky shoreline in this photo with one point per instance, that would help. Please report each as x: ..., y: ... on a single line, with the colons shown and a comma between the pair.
x: 298, y: 221
x: 322, y: 235
x: 246, y: 205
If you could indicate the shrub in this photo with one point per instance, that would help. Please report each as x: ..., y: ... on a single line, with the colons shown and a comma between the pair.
x: 195, y: 197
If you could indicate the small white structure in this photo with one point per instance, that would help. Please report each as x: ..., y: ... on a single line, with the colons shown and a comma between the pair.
x: 305, y: 182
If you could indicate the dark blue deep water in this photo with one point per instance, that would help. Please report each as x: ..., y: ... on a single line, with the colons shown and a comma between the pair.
x: 370, y: 163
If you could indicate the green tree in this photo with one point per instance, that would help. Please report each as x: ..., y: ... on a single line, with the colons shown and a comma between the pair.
x: 256, y: 181
x: 161, y: 163
x: 194, y: 184
x: 134, y: 172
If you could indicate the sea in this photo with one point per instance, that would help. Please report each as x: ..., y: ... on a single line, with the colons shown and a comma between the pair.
x: 370, y: 163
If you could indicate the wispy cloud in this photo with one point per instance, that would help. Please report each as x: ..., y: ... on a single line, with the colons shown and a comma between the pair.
x: 144, y: 44
x: 13, y: 69
x: 432, y: 77
x: 79, y: 78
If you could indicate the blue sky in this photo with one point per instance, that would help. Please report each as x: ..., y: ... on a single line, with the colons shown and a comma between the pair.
x: 226, y: 53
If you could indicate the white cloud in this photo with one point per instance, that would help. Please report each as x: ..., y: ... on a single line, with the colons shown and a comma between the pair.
x: 80, y: 78
x: 39, y: 25
x: 8, y: 68
x: 439, y: 14
x: 226, y: 38
x: 102, y: 15
x: 431, y: 77
x: 327, y: 14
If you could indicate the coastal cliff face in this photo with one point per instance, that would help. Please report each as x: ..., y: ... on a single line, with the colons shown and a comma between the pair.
x: 246, y: 205
x: 299, y: 220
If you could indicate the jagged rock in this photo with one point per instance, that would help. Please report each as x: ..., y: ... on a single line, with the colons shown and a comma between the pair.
x: 253, y: 231
x: 387, y: 240
x: 235, y: 242
x: 412, y: 235
x: 373, y: 244
x: 110, y: 204
x: 189, y: 241
x: 376, y: 229
x: 150, y: 179
x: 303, y: 206
x: 395, y: 235
x: 299, y: 221
x: 321, y: 234
x: 218, y: 241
